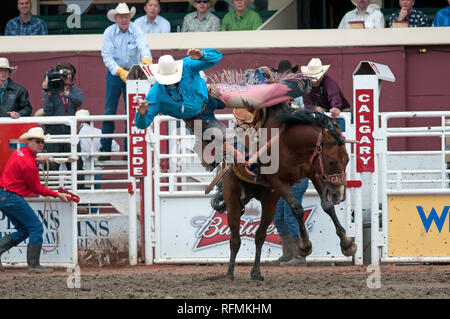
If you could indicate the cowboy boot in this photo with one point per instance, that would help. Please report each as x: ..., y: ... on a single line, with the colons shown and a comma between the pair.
x: 6, y: 243
x: 33, y: 255
x: 295, y: 260
x: 287, y: 250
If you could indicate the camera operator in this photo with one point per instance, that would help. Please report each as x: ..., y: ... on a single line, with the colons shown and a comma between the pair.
x: 60, y: 98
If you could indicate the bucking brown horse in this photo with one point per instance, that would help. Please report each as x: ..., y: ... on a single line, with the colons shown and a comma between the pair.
x: 310, y: 145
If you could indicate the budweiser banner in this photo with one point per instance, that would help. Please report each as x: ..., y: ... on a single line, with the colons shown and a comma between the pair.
x: 192, y: 231
x: 57, y: 237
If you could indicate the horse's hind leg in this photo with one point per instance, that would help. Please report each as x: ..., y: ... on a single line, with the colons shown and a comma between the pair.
x: 268, y: 212
x: 231, y: 192
x: 348, y: 247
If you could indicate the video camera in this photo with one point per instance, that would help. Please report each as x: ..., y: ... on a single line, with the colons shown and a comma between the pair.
x: 56, y: 80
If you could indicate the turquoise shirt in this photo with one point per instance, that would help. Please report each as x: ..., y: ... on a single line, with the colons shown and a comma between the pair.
x: 249, y: 20
x: 189, y: 100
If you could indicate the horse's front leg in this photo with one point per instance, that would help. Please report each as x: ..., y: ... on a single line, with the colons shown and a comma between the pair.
x: 348, y: 247
x: 305, y: 246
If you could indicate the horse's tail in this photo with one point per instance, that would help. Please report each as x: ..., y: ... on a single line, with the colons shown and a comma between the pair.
x: 217, y: 202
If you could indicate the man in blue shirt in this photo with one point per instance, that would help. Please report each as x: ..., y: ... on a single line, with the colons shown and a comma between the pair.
x: 152, y: 22
x: 179, y: 91
x: 25, y: 23
x: 123, y: 45
x: 442, y: 18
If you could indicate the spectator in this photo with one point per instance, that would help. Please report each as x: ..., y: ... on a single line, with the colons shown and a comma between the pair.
x: 285, y: 67
x: 201, y: 20
x: 241, y: 18
x: 288, y: 228
x: 442, y: 17
x: 14, y: 100
x: 407, y: 13
x: 369, y: 13
x: 325, y: 95
x: 25, y: 23
x: 124, y: 45
x: 62, y: 102
x: 19, y: 179
x: 152, y: 22
x: 91, y: 145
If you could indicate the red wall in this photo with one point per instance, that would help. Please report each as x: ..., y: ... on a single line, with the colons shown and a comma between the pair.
x: 422, y: 79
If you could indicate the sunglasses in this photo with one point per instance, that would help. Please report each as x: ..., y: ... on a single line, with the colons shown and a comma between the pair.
x: 38, y: 141
x: 201, y: 1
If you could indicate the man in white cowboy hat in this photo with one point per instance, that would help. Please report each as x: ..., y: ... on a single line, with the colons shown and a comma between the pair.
x: 325, y: 95
x: 366, y: 12
x: 14, y: 99
x: 20, y: 178
x: 241, y: 18
x: 124, y: 44
x: 152, y: 22
x: 181, y: 92
x: 201, y: 20
x: 25, y: 23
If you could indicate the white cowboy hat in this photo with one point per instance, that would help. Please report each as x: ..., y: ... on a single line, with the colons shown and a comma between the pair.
x: 4, y: 64
x: 315, y: 68
x: 121, y: 8
x: 35, y: 132
x: 82, y: 113
x: 40, y: 112
x: 167, y: 71
x: 213, y: 2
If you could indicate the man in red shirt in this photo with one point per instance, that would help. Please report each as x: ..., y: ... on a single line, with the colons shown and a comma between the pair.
x: 20, y: 178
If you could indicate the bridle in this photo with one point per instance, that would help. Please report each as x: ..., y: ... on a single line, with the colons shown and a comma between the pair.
x: 335, y: 179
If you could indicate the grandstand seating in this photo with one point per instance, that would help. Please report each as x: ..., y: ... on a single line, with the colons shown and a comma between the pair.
x: 430, y: 12
x: 96, y: 24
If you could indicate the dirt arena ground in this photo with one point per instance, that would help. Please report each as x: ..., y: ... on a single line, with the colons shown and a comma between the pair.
x: 207, y: 282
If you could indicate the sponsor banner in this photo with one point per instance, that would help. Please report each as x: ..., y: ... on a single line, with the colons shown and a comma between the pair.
x: 197, y: 232
x: 60, y: 250
x: 103, y: 233
x: 136, y: 141
x: 364, y: 123
x: 418, y: 226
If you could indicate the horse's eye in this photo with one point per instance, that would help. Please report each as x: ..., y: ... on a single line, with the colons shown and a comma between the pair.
x: 332, y: 164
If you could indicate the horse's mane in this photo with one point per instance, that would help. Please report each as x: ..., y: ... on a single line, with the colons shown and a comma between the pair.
x: 288, y: 116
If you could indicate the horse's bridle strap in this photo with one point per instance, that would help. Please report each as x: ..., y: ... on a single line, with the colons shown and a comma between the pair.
x: 335, y: 179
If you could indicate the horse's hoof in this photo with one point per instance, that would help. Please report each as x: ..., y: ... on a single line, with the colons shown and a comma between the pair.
x: 230, y: 276
x: 350, y: 251
x: 304, y: 250
x: 256, y: 276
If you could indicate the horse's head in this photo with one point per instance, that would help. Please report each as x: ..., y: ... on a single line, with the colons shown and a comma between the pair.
x: 329, y: 161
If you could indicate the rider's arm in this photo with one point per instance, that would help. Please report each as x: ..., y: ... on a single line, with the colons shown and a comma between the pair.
x: 210, y: 58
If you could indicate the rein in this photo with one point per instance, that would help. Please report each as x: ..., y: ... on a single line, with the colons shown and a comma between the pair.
x: 46, y: 171
x: 334, y: 179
